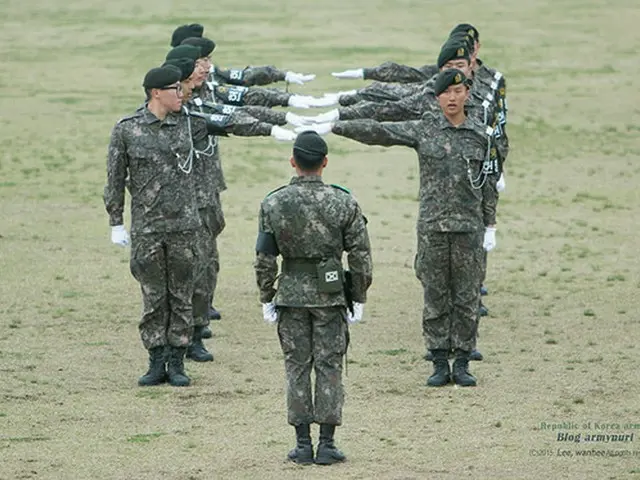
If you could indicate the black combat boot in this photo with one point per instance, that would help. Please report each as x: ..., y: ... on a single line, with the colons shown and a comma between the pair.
x: 303, y: 452
x: 476, y: 356
x: 196, y: 350
x: 482, y: 310
x: 441, y: 371
x: 327, y: 453
x: 206, y: 333
x: 214, y: 314
x: 157, y: 373
x: 461, y: 375
x: 175, y: 367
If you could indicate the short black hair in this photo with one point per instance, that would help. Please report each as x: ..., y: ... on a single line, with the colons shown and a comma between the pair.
x: 309, y: 150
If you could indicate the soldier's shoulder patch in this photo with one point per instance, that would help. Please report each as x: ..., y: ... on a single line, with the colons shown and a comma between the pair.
x: 276, y: 190
x: 130, y: 117
x: 340, y: 187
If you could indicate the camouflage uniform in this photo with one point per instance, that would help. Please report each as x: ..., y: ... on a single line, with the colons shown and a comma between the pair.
x: 311, y: 221
x: 451, y: 220
x: 248, y: 76
x: 395, y: 72
x: 164, y: 217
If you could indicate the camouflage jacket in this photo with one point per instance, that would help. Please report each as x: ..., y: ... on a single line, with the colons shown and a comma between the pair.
x: 243, y: 121
x: 394, y: 72
x: 455, y: 193
x: 156, y: 156
x: 241, y: 96
x: 247, y: 76
x: 311, y: 220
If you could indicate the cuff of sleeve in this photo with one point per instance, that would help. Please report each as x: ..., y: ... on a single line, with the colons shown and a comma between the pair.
x: 267, y: 297
x: 365, y: 73
x: 116, y: 219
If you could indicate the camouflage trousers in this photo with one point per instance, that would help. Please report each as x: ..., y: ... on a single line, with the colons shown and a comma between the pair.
x: 164, y: 264
x: 313, y: 338
x: 206, y: 276
x: 449, y: 266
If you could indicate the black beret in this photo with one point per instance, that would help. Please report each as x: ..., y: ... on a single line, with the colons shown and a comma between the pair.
x: 462, y: 38
x: 184, y: 51
x: 311, y: 144
x: 445, y: 79
x: 452, y: 51
x: 186, y: 66
x: 206, y: 46
x: 162, y: 76
x: 467, y: 28
x: 186, y: 31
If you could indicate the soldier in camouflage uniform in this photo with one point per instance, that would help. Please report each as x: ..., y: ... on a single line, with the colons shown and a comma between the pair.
x: 457, y: 204
x: 154, y: 148
x: 311, y: 224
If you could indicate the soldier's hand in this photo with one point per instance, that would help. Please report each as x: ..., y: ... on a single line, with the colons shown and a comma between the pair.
x: 319, y: 128
x: 298, y: 120
x: 119, y: 235
x: 358, y: 311
x: 269, y: 313
x: 489, y: 242
x: 282, y: 134
x: 356, y: 73
x: 299, y: 101
x: 298, y: 78
x: 501, y: 186
x: 321, y: 102
x: 303, y: 120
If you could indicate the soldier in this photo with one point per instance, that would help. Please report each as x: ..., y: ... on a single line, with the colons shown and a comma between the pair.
x: 154, y: 147
x: 457, y: 204
x: 309, y: 304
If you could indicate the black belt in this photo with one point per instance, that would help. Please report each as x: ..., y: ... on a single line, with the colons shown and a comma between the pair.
x: 305, y: 265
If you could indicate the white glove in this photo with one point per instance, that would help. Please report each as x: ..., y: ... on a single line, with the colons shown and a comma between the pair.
x: 298, y: 120
x: 269, y: 313
x: 303, y: 120
x: 119, y: 235
x: 298, y: 78
x: 489, y: 242
x: 330, y: 116
x: 322, y: 102
x: 357, y: 73
x: 319, y: 128
x: 299, y: 101
x: 501, y: 186
x: 358, y: 310
x: 282, y: 134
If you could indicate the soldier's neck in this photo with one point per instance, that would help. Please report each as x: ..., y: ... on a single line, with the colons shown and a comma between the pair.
x: 158, y: 110
x: 457, y: 119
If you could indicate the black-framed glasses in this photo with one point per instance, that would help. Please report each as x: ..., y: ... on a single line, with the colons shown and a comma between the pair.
x: 177, y: 88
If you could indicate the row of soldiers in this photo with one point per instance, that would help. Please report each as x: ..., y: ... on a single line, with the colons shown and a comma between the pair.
x: 404, y: 93
x: 167, y: 154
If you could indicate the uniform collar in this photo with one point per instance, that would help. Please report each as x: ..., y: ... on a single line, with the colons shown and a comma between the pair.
x: 306, y: 179
x: 149, y: 118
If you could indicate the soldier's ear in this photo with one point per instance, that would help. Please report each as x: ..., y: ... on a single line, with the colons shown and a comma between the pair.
x: 292, y: 162
x: 325, y: 161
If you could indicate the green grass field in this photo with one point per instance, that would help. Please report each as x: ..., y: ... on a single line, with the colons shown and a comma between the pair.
x: 560, y: 344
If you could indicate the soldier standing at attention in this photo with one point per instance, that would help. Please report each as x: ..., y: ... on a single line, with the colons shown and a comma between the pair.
x: 154, y: 147
x: 311, y: 224
x: 457, y: 205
